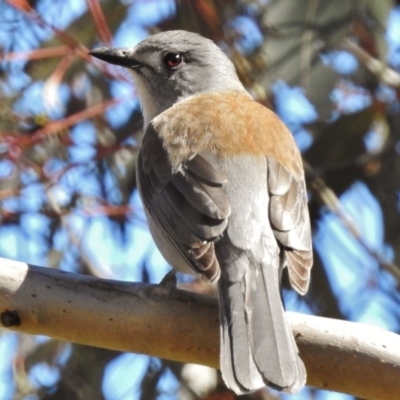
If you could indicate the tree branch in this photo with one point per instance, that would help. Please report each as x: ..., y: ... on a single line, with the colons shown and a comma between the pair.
x: 342, y: 356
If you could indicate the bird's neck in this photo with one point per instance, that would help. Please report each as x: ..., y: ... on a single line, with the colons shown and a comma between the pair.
x: 152, y: 109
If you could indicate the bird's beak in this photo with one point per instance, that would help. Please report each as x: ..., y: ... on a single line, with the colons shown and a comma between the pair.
x: 124, y: 57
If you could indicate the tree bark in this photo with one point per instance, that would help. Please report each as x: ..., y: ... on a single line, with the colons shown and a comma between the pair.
x: 342, y: 356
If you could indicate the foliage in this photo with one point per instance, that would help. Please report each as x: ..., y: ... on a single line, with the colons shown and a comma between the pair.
x: 70, y: 128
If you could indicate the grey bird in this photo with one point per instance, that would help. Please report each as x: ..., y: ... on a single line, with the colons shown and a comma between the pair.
x: 222, y: 184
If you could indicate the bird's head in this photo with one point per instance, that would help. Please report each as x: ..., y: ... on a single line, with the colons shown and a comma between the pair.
x: 171, y: 66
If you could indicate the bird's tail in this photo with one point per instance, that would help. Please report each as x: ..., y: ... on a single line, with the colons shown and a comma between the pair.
x: 257, y: 345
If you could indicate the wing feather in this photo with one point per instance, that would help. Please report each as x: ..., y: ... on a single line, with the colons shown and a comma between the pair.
x: 290, y: 220
x: 189, y: 203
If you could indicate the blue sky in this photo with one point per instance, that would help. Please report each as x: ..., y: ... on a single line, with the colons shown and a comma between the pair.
x: 124, y: 260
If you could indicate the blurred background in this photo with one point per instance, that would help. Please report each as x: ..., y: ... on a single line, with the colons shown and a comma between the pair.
x: 70, y: 129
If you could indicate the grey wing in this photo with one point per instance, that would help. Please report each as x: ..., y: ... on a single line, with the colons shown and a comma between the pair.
x: 189, y: 206
x: 291, y: 222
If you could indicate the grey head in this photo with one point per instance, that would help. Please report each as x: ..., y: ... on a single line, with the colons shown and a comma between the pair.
x: 171, y: 66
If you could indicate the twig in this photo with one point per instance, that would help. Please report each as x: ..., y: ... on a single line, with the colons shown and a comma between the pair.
x: 385, y: 74
x: 327, y: 197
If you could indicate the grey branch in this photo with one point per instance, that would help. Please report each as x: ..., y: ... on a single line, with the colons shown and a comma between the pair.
x: 387, y: 76
x: 342, y: 356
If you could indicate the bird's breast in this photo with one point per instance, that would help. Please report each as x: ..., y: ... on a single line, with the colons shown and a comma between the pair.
x: 229, y: 124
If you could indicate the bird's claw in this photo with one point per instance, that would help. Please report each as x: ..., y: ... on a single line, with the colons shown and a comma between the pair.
x: 169, y: 280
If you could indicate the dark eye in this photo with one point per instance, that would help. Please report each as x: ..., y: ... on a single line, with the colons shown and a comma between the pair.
x: 173, y: 60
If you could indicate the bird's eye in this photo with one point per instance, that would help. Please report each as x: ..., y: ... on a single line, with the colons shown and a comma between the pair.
x: 173, y: 60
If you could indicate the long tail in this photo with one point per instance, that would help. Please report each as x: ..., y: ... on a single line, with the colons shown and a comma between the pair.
x: 257, y: 345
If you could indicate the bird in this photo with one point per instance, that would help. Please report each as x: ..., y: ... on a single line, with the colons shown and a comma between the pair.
x: 222, y: 185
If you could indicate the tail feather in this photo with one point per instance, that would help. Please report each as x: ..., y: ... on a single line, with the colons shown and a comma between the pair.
x: 237, y: 363
x: 301, y: 372
x: 257, y: 345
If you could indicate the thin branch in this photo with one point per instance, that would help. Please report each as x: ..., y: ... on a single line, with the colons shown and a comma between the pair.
x: 101, y: 24
x: 55, y: 126
x: 36, y: 54
x: 385, y: 74
x: 306, y: 43
x: 328, y: 198
x: 343, y: 356
x: 50, y: 89
x: 76, y: 48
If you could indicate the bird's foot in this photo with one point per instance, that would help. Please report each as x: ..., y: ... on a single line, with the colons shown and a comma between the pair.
x: 169, y: 280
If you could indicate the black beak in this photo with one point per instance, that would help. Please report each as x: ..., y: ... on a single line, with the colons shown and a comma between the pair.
x: 122, y: 57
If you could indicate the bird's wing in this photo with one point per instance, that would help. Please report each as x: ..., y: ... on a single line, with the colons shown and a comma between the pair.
x: 290, y: 221
x: 188, y: 202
